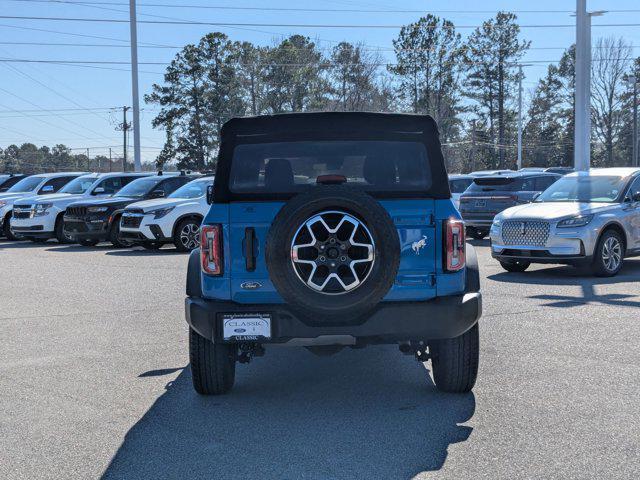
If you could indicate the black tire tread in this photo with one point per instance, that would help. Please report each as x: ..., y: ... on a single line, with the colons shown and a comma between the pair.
x: 515, y: 267
x: 212, y: 370
x: 176, y: 233
x: 455, y: 362
x: 597, y: 266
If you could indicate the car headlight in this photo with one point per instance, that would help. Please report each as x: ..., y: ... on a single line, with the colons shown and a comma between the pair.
x: 579, y: 221
x: 97, y: 209
x: 40, y: 209
x: 2, y: 204
x: 160, y: 212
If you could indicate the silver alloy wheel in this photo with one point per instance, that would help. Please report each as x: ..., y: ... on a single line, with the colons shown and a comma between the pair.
x: 190, y: 236
x: 332, y: 252
x: 611, y: 254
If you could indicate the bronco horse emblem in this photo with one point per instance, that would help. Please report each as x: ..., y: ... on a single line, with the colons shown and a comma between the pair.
x: 419, y: 245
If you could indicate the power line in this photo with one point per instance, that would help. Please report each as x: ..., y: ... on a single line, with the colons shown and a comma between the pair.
x: 110, y: 45
x: 284, y: 25
x: 300, y: 9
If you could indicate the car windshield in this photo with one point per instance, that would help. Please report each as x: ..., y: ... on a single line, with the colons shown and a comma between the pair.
x: 595, y: 188
x: 138, y: 188
x: 79, y: 185
x: 26, y: 185
x: 289, y: 167
x: 192, y: 189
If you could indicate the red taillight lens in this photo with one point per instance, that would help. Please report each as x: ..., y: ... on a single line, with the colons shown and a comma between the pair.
x: 211, y: 249
x: 455, y: 245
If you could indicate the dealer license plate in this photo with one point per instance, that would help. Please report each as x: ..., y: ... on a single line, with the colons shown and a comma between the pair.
x: 253, y: 326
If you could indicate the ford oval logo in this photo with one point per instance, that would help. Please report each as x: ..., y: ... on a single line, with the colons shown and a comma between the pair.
x: 250, y: 285
x: 239, y: 330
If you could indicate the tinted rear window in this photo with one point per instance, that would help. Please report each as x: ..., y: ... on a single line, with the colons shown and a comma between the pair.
x: 459, y: 185
x: 291, y: 167
x: 501, y: 184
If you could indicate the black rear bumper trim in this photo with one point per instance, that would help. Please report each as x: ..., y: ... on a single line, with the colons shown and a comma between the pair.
x: 390, y: 322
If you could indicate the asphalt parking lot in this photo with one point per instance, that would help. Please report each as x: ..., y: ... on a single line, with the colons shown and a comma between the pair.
x: 94, y: 382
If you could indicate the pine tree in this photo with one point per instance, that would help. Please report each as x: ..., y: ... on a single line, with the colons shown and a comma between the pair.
x: 429, y: 63
x: 493, y: 51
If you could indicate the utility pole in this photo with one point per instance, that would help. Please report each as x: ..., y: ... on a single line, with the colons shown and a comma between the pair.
x: 634, y: 156
x: 109, y: 159
x: 473, y: 145
x: 88, y: 161
x: 134, y: 85
x: 582, y: 145
x: 520, y: 116
x: 125, y: 128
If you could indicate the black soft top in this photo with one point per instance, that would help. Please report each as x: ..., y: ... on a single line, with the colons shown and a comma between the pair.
x: 331, y: 126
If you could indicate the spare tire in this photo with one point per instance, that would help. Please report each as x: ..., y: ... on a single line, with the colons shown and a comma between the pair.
x: 332, y: 253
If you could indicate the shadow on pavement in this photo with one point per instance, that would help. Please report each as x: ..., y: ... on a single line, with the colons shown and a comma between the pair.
x: 21, y: 244
x: 568, y: 276
x: 372, y: 413
x: 141, y: 252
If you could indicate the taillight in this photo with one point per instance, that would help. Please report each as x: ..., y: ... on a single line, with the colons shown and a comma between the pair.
x: 211, y: 249
x: 454, y: 245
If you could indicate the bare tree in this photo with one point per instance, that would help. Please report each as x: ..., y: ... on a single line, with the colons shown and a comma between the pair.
x: 611, y: 61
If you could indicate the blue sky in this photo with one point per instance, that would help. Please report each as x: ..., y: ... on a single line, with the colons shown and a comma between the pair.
x: 35, y: 98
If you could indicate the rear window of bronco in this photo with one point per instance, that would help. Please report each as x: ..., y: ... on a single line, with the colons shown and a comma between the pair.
x: 292, y: 167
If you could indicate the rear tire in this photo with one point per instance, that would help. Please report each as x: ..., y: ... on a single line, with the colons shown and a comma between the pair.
x: 213, y: 366
x: 60, y: 232
x: 515, y: 266
x: 454, y: 361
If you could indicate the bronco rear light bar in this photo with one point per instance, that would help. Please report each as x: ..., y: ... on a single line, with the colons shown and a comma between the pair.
x: 211, y: 249
x: 454, y: 245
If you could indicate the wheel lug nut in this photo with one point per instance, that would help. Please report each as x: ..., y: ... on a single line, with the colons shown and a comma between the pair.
x: 343, y: 258
x: 322, y: 259
x: 332, y: 240
x: 343, y: 246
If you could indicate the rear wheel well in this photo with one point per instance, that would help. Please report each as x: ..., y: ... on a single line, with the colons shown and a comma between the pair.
x: 195, y: 216
x: 618, y: 229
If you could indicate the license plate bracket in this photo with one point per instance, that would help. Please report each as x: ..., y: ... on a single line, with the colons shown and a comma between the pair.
x: 246, y: 326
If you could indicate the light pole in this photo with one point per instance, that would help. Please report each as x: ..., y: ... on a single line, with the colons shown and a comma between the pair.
x: 633, y: 80
x: 520, y: 78
x: 134, y: 85
x: 582, y: 141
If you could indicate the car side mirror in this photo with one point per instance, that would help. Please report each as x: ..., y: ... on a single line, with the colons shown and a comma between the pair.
x: 98, y: 190
x: 157, y: 194
x: 535, y: 196
x: 210, y: 194
x: 47, y: 189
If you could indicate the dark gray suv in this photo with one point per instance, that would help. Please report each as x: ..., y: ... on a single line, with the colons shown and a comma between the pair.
x: 487, y: 196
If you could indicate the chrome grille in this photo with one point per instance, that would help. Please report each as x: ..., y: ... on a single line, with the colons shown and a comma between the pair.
x: 525, y: 232
x: 22, y: 211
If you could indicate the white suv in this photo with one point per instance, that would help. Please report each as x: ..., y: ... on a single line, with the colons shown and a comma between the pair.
x: 175, y: 219
x: 41, y: 218
x: 41, y: 184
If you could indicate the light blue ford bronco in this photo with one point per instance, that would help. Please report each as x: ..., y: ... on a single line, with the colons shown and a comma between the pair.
x: 332, y: 230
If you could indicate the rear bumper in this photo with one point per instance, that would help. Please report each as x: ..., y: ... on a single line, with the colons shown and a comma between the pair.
x: 390, y: 322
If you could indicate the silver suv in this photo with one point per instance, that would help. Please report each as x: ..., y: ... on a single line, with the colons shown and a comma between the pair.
x: 584, y: 218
